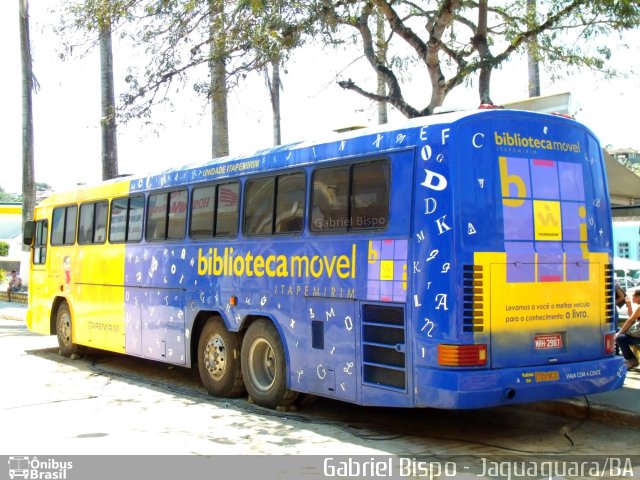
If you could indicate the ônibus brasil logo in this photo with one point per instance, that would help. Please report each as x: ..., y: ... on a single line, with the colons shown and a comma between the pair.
x: 34, y: 468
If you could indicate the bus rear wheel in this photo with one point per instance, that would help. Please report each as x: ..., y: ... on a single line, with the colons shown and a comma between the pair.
x: 264, y: 366
x: 64, y: 331
x: 219, y: 360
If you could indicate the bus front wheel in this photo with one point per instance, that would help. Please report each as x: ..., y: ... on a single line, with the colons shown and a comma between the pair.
x: 219, y: 360
x: 64, y: 331
x: 264, y: 366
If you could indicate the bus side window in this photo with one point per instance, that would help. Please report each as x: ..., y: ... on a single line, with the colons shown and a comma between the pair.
x: 85, y: 226
x: 203, y: 200
x: 64, y: 225
x: 258, y: 211
x: 40, y: 243
x: 177, y: 220
x: 126, y: 219
x: 135, y: 218
x: 167, y: 215
x: 370, y: 196
x: 118, y: 224
x: 330, y: 200
x: 92, y: 223
x: 228, y: 199
x: 100, y: 223
x: 157, y: 216
x: 290, y: 203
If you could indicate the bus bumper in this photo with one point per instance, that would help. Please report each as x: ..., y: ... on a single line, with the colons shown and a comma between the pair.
x: 489, y: 388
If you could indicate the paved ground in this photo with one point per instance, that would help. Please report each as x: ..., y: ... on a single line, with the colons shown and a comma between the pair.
x: 104, y: 404
x: 619, y: 407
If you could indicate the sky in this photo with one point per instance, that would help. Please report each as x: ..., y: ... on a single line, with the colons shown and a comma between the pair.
x: 67, y: 107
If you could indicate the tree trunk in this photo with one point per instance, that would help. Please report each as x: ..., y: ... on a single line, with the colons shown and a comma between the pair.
x: 274, y: 90
x: 217, y: 67
x: 532, y: 53
x: 482, y: 44
x: 28, y: 176
x: 107, y: 97
x: 381, y: 45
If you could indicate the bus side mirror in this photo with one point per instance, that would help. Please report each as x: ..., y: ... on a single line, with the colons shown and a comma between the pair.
x: 28, y: 232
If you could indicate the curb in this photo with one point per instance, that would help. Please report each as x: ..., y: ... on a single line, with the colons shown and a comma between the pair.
x: 18, y: 316
x: 583, y: 409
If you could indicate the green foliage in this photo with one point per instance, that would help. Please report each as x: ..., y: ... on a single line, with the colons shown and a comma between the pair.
x: 9, y: 197
x: 4, y: 249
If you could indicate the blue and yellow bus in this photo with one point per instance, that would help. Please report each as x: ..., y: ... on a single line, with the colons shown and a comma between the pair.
x: 461, y: 260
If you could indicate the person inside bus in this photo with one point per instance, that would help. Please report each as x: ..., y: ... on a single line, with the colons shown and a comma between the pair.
x: 15, y: 284
x: 625, y: 338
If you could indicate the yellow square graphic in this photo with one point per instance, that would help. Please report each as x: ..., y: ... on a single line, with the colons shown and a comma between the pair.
x: 547, y: 220
x: 386, y: 270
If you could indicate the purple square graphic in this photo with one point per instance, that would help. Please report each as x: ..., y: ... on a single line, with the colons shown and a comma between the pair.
x: 401, y: 249
x: 374, y: 271
x: 387, y: 250
x: 571, y: 181
x: 550, y: 265
x: 550, y: 251
x: 577, y: 267
x: 399, y: 293
x: 386, y: 290
x: 517, y: 169
x: 544, y: 179
x: 519, y: 247
x: 571, y: 220
x: 373, y: 290
x: 518, y: 221
x: 521, y: 267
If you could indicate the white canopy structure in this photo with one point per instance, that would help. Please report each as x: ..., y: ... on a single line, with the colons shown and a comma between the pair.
x: 625, y: 264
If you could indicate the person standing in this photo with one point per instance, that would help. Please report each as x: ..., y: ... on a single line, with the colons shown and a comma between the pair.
x: 624, y: 339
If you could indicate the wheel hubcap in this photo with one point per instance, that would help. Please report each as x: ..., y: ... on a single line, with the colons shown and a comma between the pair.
x: 215, y: 357
x: 263, y: 364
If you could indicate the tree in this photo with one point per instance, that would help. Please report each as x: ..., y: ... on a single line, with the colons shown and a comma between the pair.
x: 107, y: 99
x: 97, y: 17
x: 532, y: 54
x: 455, y: 40
x: 28, y: 85
x: 230, y: 38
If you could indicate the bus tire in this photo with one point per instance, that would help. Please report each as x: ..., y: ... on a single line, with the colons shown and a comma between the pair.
x: 64, y: 331
x: 219, y: 360
x: 264, y: 366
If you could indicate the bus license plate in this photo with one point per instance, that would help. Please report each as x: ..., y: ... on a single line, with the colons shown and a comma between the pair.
x: 547, y: 342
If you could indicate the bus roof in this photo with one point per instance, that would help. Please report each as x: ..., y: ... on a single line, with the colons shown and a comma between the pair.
x: 268, y: 158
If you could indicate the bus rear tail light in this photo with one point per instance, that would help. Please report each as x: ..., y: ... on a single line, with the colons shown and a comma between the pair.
x: 609, y: 343
x: 462, y: 355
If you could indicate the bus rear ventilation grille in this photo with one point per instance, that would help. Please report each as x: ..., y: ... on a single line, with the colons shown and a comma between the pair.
x: 609, y: 294
x: 473, y: 302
